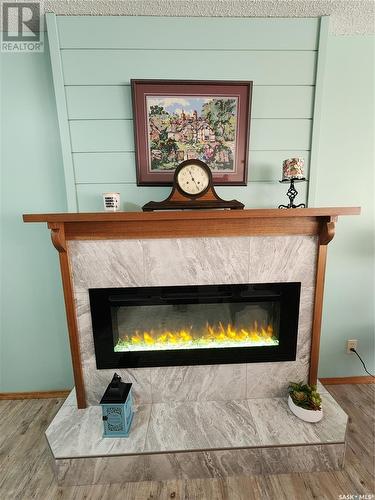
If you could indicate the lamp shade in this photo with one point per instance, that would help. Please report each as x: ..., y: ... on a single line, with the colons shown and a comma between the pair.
x: 293, y: 169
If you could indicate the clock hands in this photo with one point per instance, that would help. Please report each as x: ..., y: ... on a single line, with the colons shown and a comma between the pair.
x: 192, y: 178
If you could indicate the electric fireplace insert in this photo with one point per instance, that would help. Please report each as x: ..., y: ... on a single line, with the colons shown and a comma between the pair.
x: 190, y: 325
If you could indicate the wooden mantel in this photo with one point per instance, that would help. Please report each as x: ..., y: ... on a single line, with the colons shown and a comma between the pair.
x: 177, y: 224
x: 180, y: 224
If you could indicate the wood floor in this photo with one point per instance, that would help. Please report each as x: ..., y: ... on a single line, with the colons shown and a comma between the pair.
x: 26, y: 472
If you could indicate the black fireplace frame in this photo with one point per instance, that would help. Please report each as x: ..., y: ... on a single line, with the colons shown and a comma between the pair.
x: 288, y: 294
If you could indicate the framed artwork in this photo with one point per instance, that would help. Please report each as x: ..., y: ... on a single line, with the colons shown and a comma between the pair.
x: 178, y: 120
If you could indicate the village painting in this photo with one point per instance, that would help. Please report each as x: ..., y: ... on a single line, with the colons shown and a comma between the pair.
x: 192, y: 127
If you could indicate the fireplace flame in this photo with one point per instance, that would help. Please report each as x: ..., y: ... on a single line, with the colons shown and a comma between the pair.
x: 212, y: 336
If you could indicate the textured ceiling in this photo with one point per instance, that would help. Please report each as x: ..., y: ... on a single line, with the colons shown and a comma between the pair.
x: 348, y: 17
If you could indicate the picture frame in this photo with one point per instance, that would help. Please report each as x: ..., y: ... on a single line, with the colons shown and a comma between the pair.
x: 177, y: 120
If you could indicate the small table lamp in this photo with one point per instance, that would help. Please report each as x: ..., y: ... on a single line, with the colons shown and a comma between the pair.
x: 293, y: 172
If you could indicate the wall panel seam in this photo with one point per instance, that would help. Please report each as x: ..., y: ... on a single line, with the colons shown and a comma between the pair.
x: 151, y: 49
x: 135, y: 184
x: 69, y: 85
x: 307, y: 118
x: 133, y: 151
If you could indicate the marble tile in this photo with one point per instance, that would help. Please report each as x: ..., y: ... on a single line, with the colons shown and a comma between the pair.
x: 71, y: 399
x: 283, y: 258
x: 96, y: 381
x: 271, y: 380
x: 203, y: 382
x: 196, y: 440
x: 79, y: 433
x: 206, y: 425
x: 100, y: 470
x: 202, y: 464
x: 332, y: 427
x: 321, y: 388
x: 199, y: 464
x: 200, y: 426
x: 192, y: 261
x: 315, y: 458
x: 276, y: 425
x: 106, y: 263
x: 305, y: 323
x: 84, y: 324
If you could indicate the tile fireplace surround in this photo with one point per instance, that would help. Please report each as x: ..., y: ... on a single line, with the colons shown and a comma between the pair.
x: 252, y: 429
x: 200, y: 261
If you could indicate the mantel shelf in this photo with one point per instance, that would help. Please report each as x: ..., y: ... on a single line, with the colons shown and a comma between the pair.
x: 179, y: 215
x: 191, y: 223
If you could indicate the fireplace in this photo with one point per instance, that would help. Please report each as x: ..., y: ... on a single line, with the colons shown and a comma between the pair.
x: 190, y: 325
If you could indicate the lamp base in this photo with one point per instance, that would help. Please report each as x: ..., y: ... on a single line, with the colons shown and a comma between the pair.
x: 301, y: 205
x: 292, y: 193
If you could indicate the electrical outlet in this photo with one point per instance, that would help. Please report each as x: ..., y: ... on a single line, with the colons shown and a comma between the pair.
x: 351, y: 344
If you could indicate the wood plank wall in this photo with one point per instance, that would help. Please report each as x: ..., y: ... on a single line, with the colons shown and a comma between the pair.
x: 94, y: 58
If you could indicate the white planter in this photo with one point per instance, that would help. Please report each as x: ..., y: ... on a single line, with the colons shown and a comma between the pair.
x: 303, y: 414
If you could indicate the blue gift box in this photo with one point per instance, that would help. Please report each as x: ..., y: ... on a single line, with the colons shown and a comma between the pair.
x: 117, y: 408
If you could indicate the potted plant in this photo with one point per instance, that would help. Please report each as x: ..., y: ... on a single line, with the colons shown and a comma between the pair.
x: 305, y: 402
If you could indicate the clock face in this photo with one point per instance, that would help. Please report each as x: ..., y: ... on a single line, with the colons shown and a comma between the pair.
x: 193, y: 179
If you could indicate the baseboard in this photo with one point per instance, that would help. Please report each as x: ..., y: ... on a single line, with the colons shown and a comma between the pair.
x: 365, y: 379
x: 35, y: 395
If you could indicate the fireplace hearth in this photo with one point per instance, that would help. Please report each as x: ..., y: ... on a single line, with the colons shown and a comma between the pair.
x: 190, y: 325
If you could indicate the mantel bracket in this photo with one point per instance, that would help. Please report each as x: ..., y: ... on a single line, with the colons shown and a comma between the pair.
x: 58, y: 235
x: 327, y: 231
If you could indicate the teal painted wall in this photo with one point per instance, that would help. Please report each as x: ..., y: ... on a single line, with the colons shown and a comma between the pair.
x: 346, y: 177
x: 34, y: 348
x: 94, y: 59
